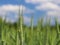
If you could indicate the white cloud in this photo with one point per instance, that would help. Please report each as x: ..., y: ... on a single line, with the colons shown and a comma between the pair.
x: 48, y: 6
x: 56, y: 1
x: 36, y: 1
x: 51, y: 6
x: 9, y: 7
x: 26, y: 19
x: 14, y: 8
x: 5, y: 9
x: 53, y: 13
x: 51, y: 9
x: 42, y: 1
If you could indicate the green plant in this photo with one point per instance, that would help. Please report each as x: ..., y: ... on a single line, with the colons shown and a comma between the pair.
x: 33, y: 35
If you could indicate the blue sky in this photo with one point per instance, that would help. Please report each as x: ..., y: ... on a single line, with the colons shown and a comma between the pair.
x: 39, y: 8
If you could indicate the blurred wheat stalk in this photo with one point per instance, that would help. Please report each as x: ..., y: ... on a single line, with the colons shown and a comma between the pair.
x: 22, y: 35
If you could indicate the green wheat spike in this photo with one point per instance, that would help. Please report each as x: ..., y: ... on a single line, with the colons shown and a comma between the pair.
x: 57, y: 26
x: 31, y: 35
x: 21, y: 29
x: 3, y: 32
x: 58, y: 30
x: 39, y: 26
x: 47, y: 31
x: 32, y: 24
x: 56, y: 21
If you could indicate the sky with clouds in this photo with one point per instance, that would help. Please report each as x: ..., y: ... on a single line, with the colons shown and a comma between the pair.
x: 37, y: 8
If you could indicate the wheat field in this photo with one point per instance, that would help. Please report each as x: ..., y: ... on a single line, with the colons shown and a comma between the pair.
x: 19, y: 34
